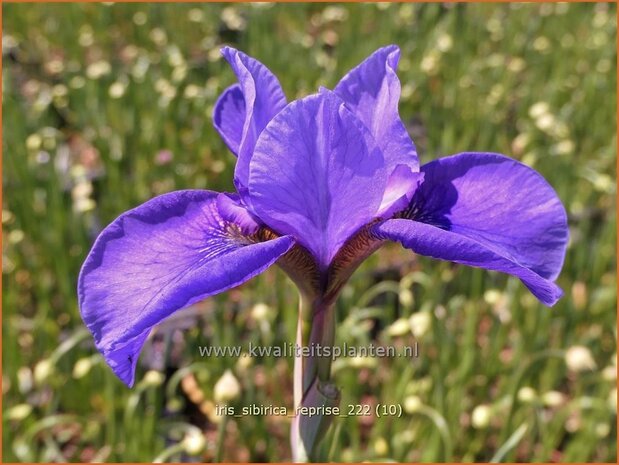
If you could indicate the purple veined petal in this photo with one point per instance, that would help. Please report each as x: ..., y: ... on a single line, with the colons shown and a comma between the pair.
x: 434, y: 242
x: 229, y: 117
x: 372, y: 91
x: 402, y: 183
x: 162, y: 256
x: 263, y: 97
x: 231, y: 209
x: 317, y: 174
x: 488, y: 211
x: 401, y: 186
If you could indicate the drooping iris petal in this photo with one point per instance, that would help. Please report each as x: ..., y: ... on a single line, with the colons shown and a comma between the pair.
x: 372, y: 91
x: 263, y: 98
x: 164, y: 255
x: 229, y: 117
x: 317, y: 174
x: 434, y: 242
x: 489, y: 211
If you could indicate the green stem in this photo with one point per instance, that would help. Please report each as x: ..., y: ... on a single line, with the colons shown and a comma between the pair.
x: 169, y: 452
x: 221, y: 436
x: 312, y: 376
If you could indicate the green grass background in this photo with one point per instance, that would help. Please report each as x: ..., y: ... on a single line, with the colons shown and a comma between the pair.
x: 106, y: 106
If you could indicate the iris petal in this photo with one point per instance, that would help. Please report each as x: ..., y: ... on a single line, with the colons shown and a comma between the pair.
x: 489, y: 211
x: 372, y: 91
x: 164, y: 255
x: 263, y: 98
x: 229, y: 117
x: 317, y: 174
x: 401, y: 186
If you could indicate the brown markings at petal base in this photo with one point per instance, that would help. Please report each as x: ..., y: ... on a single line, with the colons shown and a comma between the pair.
x: 301, y: 267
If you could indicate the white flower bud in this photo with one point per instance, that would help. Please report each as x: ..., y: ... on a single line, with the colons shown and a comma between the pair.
x: 420, y: 323
x: 444, y: 42
x: 227, y: 388
x: 545, y: 122
x: 19, y: 412
x: 153, y: 378
x: 82, y: 367
x: 381, y: 447
x: 552, y: 398
x: 117, y: 90
x: 602, y: 430
x: 481, y: 415
x: 359, y: 361
x: 610, y: 373
x: 404, y: 437
x: 579, y: 358
x: 194, y: 442
x: 538, y: 109
x: 412, y: 404
x: 406, y: 297
x: 260, y: 312
x: 98, y: 69
x: 399, y: 327
x: 526, y: 394
x: 493, y: 296
x: 43, y: 370
x: 24, y: 379
x: 33, y: 142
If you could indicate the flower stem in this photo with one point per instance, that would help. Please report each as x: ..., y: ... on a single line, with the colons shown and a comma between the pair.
x: 313, y: 388
x: 221, y: 436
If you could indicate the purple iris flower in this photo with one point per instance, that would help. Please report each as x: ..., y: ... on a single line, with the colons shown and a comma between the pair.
x: 322, y: 182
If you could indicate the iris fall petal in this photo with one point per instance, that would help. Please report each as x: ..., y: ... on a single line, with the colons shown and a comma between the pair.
x: 489, y: 211
x: 164, y: 255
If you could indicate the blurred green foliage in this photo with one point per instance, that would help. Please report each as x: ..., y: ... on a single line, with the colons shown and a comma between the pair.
x: 108, y: 105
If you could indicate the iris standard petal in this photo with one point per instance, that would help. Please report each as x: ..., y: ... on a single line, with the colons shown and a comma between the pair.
x: 164, y: 255
x: 372, y: 91
x: 487, y: 210
x: 263, y: 98
x: 401, y: 186
x: 229, y: 117
x: 317, y: 174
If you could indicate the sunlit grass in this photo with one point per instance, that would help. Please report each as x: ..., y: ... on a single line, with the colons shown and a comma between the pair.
x: 106, y: 106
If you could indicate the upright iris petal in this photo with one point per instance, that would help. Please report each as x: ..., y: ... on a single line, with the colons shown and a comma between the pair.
x: 489, y: 211
x: 229, y: 117
x: 372, y: 91
x: 166, y: 254
x: 317, y: 174
x: 263, y: 99
x: 401, y: 186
